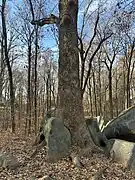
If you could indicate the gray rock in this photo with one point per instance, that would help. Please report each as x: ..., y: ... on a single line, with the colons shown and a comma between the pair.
x: 98, y: 138
x: 50, y: 113
x: 8, y: 161
x: 124, y: 152
x: 122, y: 127
x: 57, y: 137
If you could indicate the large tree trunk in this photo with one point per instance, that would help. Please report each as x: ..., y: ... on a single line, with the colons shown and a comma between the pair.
x: 70, y: 105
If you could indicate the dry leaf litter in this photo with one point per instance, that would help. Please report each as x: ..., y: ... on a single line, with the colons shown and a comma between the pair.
x: 95, y: 165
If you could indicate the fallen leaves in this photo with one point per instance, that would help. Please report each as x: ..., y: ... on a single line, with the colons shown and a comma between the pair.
x: 95, y: 164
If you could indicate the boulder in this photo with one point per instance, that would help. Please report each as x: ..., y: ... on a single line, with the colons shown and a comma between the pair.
x: 57, y: 137
x: 8, y: 161
x: 40, y: 137
x: 122, y: 127
x: 98, y: 138
x: 50, y: 113
x: 124, y: 152
x: 94, y: 130
x: 117, y: 137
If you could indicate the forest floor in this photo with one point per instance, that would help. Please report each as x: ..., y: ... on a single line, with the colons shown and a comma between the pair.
x: 21, y: 147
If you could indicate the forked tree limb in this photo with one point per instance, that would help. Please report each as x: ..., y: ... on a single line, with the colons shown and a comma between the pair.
x: 91, y: 59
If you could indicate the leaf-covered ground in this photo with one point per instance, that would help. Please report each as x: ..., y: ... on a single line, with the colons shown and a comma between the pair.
x: 94, y: 163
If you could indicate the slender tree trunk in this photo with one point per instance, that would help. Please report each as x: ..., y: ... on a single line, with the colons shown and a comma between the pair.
x: 99, y: 79
x: 128, y: 73
x: 53, y: 95
x: 90, y: 95
x: 19, y: 109
x: 110, y: 93
x: 43, y: 102
x: 50, y: 91
x: 124, y: 89
x: 35, y: 83
x: 2, y: 68
x: 105, y: 99
x: 94, y: 92
x: 47, y: 94
x: 116, y: 93
x: 8, y: 66
x: 128, y: 88
x: 28, y: 118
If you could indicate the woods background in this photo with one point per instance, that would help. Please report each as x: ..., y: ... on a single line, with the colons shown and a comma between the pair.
x: 29, y: 63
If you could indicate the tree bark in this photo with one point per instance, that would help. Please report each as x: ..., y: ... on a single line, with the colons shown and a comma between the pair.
x: 116, y: 94
x: 35, y: 81
x: 90, y: 97
x: 100, y: 87
x: 129, y: 74
x: 12, y: 97
x: 2, y: 68
x: 47, y: 93
x: 110, y: 93
x: 94, y: 93
x: 28, y: 118
x: 70, y: 107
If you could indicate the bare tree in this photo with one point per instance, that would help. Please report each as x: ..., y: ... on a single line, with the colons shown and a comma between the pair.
x: 109, y: 60
x: 6, y: 54
x: 84, y: 53
x: 2, y: 69
x: 130, y: 68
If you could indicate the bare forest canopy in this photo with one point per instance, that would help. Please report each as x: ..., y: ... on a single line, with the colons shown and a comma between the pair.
x: 29, y: 54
